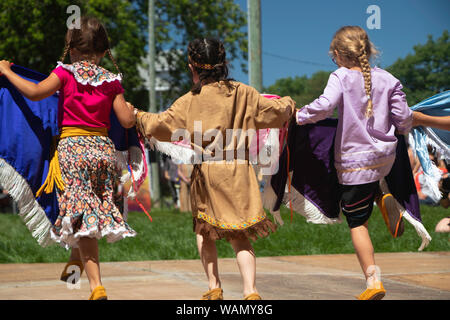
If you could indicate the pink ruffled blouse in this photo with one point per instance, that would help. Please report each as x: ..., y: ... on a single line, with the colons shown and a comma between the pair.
x: 86, y: 95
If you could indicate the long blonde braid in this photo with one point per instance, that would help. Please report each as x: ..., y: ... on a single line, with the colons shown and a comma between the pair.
x: 365, y: 66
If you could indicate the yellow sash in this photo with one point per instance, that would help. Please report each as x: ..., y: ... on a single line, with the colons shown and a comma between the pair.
x: 54, y: 172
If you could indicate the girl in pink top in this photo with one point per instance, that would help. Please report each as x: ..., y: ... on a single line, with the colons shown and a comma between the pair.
x: 371, y: 107
x: 87, y: 93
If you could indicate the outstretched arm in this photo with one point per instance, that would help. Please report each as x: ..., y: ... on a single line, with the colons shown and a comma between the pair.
x: 162, y: 125
x: 421, y: 119
x: 323, y: 106
x: 31, y: 90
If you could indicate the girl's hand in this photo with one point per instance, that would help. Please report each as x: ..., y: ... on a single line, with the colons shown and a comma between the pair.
x: 5, y: 66
x: 136, y: 111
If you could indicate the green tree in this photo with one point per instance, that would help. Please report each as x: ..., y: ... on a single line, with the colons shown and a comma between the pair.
x: 180, y: 21
x: 33, y: 33
x: 302, y: 89
x: 425, y: 72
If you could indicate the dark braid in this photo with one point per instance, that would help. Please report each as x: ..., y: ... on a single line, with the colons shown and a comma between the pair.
x: 208, y: 57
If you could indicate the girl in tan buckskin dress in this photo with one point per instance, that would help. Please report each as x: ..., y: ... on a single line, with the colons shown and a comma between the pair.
x: 219, y: 114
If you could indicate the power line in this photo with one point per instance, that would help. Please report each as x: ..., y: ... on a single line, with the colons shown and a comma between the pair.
x: 297, y: 60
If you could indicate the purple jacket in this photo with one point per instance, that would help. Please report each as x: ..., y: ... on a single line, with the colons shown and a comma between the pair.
x: 364, y: 147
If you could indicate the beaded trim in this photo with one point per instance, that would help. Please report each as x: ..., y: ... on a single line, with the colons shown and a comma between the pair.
x: 205, y: 66
x: 86, y: 72
x: 233, y: 226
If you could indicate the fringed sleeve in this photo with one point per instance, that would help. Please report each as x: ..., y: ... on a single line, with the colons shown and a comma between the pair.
x: 163, y: 125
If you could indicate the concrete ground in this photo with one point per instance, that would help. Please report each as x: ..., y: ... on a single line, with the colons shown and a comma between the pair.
x: 406, y: 276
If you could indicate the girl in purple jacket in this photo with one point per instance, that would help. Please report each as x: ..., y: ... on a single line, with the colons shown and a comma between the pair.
x: 371, y: 108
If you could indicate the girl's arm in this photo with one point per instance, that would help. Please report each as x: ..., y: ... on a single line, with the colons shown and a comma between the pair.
x: 31, y: 90
x: 124, y: 111
x: 273, y: 113
x: 163, y: 125
x: 420, y: 119
x: 401, y: 114
x: 322, y: 107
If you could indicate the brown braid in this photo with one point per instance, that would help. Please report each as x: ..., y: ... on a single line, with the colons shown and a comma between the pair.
x: 114, y: 61
x: 66, y: 51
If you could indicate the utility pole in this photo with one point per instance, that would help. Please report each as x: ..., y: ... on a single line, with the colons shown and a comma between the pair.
x: 254, y: 44
x: 154, y: 166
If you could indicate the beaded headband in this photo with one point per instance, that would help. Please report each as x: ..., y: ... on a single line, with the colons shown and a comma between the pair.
x: 201, y: 65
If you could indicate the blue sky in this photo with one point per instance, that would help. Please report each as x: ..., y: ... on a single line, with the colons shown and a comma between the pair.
x: 303, y: 29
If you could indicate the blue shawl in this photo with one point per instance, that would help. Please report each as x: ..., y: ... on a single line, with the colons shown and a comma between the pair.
x: 421, y: 137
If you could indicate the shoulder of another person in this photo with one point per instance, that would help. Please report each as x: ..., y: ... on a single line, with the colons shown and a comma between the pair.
x: 341, y: 71
x: 340, y: 74
x: 384, y: 73
x: 185, y: 98
x: 237, y: 83
x: 244, y: 89
x: 181, y: 103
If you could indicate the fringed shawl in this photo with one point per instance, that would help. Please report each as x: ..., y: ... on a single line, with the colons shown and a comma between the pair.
x: 421, y: 137
x: 314, y: 190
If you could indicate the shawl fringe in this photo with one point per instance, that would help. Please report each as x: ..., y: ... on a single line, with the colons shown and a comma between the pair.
x: 138, y: 164
x: 300, y: 205
x: 184, y: 154
x: 30, y: 211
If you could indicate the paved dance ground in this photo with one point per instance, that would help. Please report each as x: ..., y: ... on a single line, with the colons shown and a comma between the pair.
x: 406, y: 276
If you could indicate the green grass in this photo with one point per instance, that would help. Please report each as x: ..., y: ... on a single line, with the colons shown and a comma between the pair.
x: 170, y: 236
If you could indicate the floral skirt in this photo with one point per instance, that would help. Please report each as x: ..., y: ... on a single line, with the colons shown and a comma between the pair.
x: 87, y: 206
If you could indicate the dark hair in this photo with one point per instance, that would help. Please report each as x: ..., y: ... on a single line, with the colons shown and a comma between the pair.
x: 446, y: 184
x: 90, y: 39
x: 208, y: 57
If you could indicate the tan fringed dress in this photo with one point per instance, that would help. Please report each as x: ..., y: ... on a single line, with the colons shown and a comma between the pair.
x: 225, y: 196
